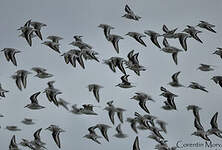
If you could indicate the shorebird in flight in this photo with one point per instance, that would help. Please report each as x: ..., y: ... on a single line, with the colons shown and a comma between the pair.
x: 195, y: 85
x: 207, y: 26
x: 153, y: 37
x: 34, y: 102
x: 119, y: 133
x: 130, y: 14
x: 205, y: 67
x: 200, y: 130
x: 10, y: 54
x: 125, y: 83
x: 171, y: 49
x: 193, y: 32
x: 95, y: 88
x: 137, y: 36
x: 175, y: 81
x: 55, y: 133
x: 214, y: 127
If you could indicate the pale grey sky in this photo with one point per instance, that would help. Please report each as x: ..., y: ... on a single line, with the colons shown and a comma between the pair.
x: 69, y: 17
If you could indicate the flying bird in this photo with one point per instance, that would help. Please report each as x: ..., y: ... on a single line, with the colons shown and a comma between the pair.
x: 55, y: 133
x: 168, y: 33
x: 103, y: 129
x: 175, y: 81
x: 28, y: 121
x: 119, y: 133
x: 20, y: 78
x: 137, y: 36
x: 153, y: 37
x: 171, y: 49
x: 125, y: 83
x: 205, y: 67
x: 193, y: 32
x: 95, y: 88
x: 37, y: 139
x: 10, y: 54
x: 106, y: 29
x: 182, y: 39
x: 92, y: 135
x: 207, y: 26
x: 142, y: 98
x: 13, y: 128
x: 130, y: 14
x: 34, y: 102
x: 27, y: 32
x: 200, y: 130
x: 41, y: 73
x: 114, y: 39
x: 195, y: 85
x: 37, y: 26
x: 214, y: 127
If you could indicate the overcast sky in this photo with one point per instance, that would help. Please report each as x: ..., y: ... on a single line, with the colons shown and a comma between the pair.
x: 70, y: 17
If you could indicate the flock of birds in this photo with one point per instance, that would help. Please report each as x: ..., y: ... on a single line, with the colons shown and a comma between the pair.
x: 84, y: 52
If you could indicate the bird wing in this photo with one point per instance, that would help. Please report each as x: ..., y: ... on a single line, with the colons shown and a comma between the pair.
x: 120, y: 116
x: 165, y: 42
x: 118, y: 129
x: 24, y: 79
x: 111, y: 115
x: 174, y: 76
x: 104, y: 133
x: 127, y: 9
x: 55, y: 135
x: 136, y: 144
x: 37, y: 134
x: 33, y: 98
x: 96, y: 93
x: 198, y: 125
x: 213, y: 121
x: 165, y: 29
x: 130, y: 54
x: 142, y: 104
x: 183, y: 41
x: 154, y: 40
x: 174, y: 55
x: 124, y: 79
